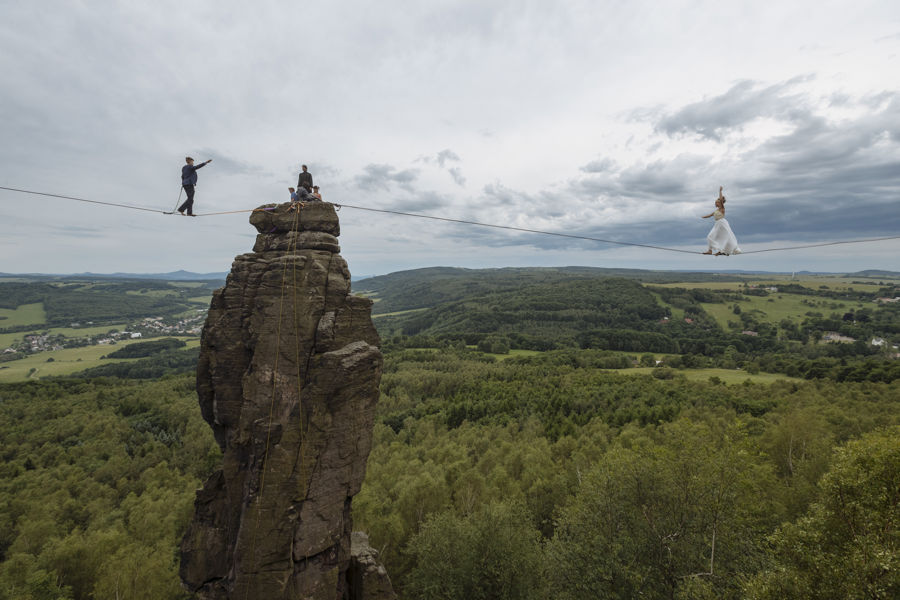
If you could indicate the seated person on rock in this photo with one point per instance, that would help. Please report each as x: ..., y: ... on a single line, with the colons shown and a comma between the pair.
x: 301, y: 197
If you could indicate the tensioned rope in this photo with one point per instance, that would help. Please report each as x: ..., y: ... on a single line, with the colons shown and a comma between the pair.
x: 478, y: 224
x: 162, y: 212
x: 569, y: 235
x: 881, y: 239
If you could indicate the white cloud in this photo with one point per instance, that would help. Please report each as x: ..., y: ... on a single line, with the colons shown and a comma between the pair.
x: 604, y: 117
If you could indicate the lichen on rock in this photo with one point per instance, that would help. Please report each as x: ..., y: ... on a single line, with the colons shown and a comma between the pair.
x: 288, y: 380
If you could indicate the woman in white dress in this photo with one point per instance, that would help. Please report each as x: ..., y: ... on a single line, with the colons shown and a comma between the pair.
x: 721, y: 239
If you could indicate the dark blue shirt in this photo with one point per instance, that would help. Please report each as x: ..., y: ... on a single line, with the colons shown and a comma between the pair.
x: 189, y: 174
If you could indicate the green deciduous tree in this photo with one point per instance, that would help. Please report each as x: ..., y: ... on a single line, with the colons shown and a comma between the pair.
x: 848, y: 544
x: 664, y: 516
x: 492, y: 554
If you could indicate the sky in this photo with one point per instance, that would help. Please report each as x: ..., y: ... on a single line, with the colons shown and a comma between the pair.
x: 607, y: 119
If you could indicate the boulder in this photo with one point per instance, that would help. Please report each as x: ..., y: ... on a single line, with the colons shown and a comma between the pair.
x: 367, y: 577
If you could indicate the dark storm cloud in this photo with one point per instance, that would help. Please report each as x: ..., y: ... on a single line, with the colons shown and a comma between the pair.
x: 445, y: 156
x: 660, y: 178
x: 500, y: 195
x: 833, y: 162
x: 78, y: 232
x: 746, y: 101
x: 419, y: 201
x: 380, y: 177
x: 442, y: 159
x: 457, y: 176
x: 824, y: 180
x: 227, y: 165
x: 600, y: 165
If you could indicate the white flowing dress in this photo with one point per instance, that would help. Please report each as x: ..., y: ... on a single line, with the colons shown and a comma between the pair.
x: 721, y: 239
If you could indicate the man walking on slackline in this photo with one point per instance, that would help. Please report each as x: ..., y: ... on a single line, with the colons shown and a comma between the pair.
x: 188, y: 181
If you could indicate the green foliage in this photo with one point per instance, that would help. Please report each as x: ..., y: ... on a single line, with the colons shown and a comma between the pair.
x: 540, y: 476
x: 458, y: 433
x: 848, y: 544
x: 99, y: 302
x: 144, y: 349
x: 492, y: 554
x: 655, y: 514
x: 430, y: 287
x: 543, y: 309
x: 536, y: 316
x: 167, y: 362
x: 96, y: 487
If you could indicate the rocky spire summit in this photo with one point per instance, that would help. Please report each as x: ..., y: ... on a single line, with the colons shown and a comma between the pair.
x: 288, y: 380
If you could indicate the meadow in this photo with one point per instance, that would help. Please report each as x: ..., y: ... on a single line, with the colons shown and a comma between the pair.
x: 777, y: 306
x: 24, y: 314
x: 727, y: 376
x: 67, y: 361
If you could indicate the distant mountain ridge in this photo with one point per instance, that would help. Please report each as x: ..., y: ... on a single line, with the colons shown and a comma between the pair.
x: 180, y: 275
x: 431, y: 286
x: 373, y: 282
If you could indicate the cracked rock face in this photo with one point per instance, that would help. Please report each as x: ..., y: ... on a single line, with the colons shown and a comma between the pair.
x: 288, y: 380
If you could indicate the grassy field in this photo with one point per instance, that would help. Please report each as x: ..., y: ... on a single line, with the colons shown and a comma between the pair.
x: 513, y: 353
x: 775, y: 307
x: 66, y: 361
x: 77, y: 332
x: 152, y: 293
x: 26, y: 314
x: 399, y: 312
x: 677, y: 313
x: 729, y: 376
x: 864, y: 284
x: 187, y: 284
x: 7, y: 339
x: 373, y: 296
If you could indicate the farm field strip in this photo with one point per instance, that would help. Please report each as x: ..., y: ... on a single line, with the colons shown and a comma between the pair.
x: 777, y: 306
x: 812, y: 282
x: 68, y: 361
x: 26, y: 314
x: 7, y: 339
x: 729, y: 376
x: 399, y: 312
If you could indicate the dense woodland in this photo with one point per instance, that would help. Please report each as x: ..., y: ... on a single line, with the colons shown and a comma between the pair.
x: 558, y: 474
x: 99, y: 302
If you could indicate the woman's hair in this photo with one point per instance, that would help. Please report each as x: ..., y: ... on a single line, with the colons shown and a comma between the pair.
x: 722, y: 198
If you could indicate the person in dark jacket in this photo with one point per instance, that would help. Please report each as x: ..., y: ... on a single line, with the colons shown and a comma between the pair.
x: 305, y: 179
x: 188, y: 181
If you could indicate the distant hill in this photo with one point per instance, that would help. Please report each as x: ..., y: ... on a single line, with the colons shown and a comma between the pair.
x: 180, y: 275
x: 532, y: 308
x: 429, y: 287
x: 874, y: 273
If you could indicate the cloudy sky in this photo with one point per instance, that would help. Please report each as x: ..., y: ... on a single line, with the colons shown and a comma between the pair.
x: 609, y: 119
